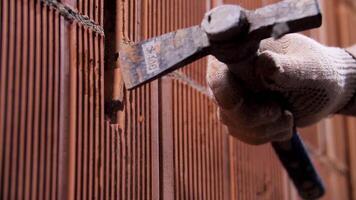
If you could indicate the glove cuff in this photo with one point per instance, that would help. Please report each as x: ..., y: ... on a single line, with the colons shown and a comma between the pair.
x: 350, y: 108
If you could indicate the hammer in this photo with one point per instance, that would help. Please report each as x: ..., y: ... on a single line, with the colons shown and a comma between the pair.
x: 153, y: 58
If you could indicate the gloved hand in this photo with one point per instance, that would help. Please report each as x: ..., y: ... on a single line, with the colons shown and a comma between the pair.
x: 311, y: 80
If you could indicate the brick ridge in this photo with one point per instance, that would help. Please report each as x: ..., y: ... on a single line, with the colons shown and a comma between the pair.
x: 332, y: 164
x: 71, y: 15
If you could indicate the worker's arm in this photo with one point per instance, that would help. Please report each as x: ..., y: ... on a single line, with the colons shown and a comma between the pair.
x: 292, y: 80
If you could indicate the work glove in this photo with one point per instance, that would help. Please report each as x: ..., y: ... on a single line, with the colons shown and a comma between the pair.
x: 290, y: 81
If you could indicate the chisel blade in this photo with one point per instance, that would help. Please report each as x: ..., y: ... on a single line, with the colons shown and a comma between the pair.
x: 149, y: 59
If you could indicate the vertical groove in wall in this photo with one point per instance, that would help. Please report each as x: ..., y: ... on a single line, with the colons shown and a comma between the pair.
x: 91, y: 152
x: 93, y: 9
x: 197, y: 138
x: 29, y: 105
x: 346, y: 22
x: 128, y: 148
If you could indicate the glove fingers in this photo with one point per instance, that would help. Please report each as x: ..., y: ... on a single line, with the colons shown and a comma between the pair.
x: 283, y: 136
x: 273, y: 131
x: 280, y: 71
x: 279, y: 130
x: 288, y: 119
x: 279, y: 46
x: 223, y: 84
x: 288, y: 44
x: 252, y: 112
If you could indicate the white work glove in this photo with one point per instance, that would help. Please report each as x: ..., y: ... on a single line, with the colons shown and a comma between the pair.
x: 314, y: 81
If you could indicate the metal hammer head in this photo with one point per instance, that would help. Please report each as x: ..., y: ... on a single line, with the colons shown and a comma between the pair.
x: 223, y: 23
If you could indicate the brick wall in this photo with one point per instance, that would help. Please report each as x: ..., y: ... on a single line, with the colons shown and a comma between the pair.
x: 69, y: 129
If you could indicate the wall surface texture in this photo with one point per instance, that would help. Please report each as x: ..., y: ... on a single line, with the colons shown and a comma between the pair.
x: 69, y: 129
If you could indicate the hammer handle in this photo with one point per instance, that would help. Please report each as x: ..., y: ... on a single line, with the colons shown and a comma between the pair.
x: 299, y: 167
x: 284, y: 17
x: 276, y: 20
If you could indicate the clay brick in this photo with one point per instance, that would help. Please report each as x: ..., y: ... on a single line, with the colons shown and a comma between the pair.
x: 31, y: 86
x: 311, y: 137
x: 57, y: 143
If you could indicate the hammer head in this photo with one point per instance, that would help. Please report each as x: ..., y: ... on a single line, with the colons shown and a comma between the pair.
x: 223, y: 23
x: 153, y: 58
